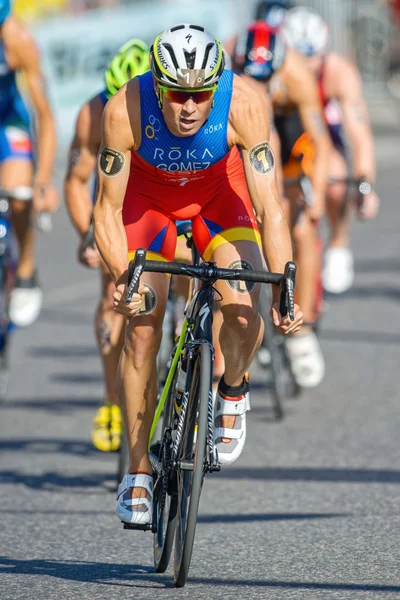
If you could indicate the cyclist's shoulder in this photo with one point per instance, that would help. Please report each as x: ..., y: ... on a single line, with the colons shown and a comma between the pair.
x: 246, y: 92
x: 340, y: 74
x: 19, y: 42
x: 249, y: 107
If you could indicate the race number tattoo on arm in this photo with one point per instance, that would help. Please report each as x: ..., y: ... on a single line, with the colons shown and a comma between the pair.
x: 262, y: 158
x: 111, y: 162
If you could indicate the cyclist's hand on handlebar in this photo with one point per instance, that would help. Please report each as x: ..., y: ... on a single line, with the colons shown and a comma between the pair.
x: 131, y: 309
x: 283, y: 324
x: 45, y: 198
x: 368, y: 206
x: 88, y: 256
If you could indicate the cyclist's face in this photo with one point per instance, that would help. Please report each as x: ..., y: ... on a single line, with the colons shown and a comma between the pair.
x: 185, y: 119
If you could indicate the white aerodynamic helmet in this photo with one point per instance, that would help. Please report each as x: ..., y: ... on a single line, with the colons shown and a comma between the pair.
x: 306, y: 31
x: 187, y: 56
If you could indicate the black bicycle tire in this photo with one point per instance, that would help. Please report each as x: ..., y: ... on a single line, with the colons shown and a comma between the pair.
x: 276, y: 358
x: 185, y: 529
x: 162, y: 554
x: 278, y: 391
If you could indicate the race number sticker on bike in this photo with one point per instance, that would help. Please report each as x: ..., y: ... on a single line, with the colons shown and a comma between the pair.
x: 261, y: 158
x: 111, y: 162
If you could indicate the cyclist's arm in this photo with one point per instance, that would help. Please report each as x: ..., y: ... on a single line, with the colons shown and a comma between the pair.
x: 81, y: 164
x: 115, y: 155
x: 27, y: 59
x: 356, y: 122
x: 303, y: 92
x: 249, y: 128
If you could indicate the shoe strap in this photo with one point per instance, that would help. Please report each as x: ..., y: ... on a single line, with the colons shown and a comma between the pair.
x: 229, y: 434
x: 232, y: 407
x: 136, y: 480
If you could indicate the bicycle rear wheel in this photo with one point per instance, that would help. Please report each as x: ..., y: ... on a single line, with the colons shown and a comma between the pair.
x: 165, y: 498
x: 191, y: 462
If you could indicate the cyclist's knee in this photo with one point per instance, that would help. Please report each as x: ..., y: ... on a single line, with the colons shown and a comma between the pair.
x: 142, y: 342
x: 240, y: 319
x: 303, y: 233
x: 20, y: 208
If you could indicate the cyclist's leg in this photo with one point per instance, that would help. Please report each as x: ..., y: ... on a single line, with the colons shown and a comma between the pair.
x: 231, y: 238
x: 304, y: 350
x: 17, y: 171
x: 145, y: 227
x: 338, y: 273
x: 109, y: 327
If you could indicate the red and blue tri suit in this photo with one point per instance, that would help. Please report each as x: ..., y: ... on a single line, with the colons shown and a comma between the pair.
x: 197, y: 178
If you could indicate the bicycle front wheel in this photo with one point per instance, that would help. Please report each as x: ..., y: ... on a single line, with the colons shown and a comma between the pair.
x: 165, y: 499
x: 191, y: 462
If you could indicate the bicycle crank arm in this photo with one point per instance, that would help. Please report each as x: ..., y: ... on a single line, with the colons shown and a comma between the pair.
x: 140, y: 527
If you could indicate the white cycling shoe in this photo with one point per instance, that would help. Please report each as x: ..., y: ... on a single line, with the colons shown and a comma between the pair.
x: 135, y: 511
x: 26, y: 301
x: 228, y: 452
x: 306, y: 359
x: 338, y: 270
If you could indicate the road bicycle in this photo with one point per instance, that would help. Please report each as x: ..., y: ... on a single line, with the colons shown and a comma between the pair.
x: 186, y: 450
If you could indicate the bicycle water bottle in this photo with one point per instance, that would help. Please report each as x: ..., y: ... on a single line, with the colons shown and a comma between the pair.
x: 181, y: 384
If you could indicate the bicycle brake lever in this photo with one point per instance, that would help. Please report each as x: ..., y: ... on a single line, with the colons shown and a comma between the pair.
x: 287, y: 291
x: 135, y: 269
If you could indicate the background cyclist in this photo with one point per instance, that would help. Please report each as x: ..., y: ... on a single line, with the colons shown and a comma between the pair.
x: 131, y: 59
x: 345, y: 112
x: 19, y: 53
x: 283, y: 76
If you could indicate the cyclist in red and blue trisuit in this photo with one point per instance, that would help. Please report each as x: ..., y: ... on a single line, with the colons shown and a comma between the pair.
x: 170, y: 142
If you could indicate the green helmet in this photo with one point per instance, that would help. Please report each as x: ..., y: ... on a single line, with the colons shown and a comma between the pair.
x: 131, y: 59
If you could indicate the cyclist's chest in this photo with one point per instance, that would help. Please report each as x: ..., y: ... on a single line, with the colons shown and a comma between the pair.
x: 167, y: 152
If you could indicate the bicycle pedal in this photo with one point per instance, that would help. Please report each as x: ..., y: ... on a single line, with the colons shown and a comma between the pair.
x: 138, y: 526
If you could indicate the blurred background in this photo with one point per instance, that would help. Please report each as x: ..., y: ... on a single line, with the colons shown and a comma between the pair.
x: 78, y: 37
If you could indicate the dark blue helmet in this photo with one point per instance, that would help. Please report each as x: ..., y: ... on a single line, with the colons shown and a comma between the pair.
x: 264, y: 51
x: 5, y: 9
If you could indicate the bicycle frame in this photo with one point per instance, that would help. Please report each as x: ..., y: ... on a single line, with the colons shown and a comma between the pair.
x: 198, y: 326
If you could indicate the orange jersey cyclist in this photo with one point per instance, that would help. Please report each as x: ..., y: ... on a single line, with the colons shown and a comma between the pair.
x: 176, y: 132
x: 19, y: 53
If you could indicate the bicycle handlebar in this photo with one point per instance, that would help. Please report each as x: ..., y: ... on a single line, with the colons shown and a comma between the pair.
x: 210, y: 272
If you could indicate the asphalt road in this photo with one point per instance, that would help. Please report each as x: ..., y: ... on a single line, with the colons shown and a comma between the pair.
x: 310, y: 510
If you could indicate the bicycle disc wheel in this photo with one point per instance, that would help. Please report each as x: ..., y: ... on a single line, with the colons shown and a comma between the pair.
x: 165, y: 498
x: 191, y: 463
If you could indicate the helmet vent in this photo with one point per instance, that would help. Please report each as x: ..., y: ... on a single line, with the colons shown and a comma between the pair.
x: 206, y: 55
x: 171, y: 52
x: 197, y: 27
x: 177, y: 28
x: 190, y: 58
